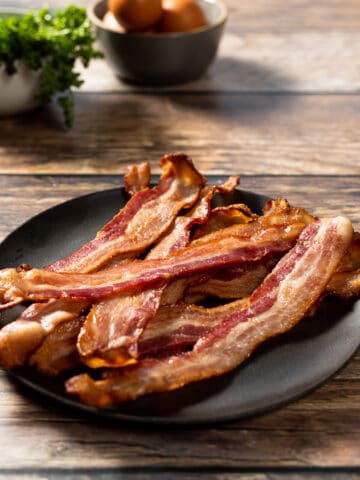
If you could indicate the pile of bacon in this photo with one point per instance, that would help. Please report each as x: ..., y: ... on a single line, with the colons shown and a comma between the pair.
x: 130, y: 304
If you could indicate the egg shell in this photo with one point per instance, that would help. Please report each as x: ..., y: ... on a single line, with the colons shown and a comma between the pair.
x: 181, y: 16
x: 136, y: 15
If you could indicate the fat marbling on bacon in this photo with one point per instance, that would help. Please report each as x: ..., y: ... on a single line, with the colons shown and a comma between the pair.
x: 280, y: 302
x: 229, y: 246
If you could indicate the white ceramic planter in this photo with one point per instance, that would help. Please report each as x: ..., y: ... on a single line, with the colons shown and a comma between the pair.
x: 18, y: 91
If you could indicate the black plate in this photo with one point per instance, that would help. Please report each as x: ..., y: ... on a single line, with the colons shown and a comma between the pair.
x: 280, y: 371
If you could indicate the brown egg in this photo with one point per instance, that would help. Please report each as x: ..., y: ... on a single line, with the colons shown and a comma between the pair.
x: 181, y: 16
x: 136, y: 15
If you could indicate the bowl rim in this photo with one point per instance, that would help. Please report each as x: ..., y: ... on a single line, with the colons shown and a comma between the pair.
x: 99, y: 23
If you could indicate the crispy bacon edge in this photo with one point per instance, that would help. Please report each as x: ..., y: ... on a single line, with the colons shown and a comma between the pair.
x: 137, y: 178
x: 141, y: 222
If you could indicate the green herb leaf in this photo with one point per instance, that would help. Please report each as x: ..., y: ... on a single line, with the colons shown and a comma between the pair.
x: 52, y: 42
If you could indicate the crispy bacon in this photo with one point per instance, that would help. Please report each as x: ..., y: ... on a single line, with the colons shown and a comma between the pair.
x: 344, y: 284
x: 232, y: 283
x: 142, y: 221
x: 277, y: 305
x: 222, y: 217
x: 57, y: 351
x: 109, y: 336
x: 178, y: 326
x: 125, y: 298
x: 111, y: 331
x: 137, y: 178
x: 20, y: 338
x: 228, y: 247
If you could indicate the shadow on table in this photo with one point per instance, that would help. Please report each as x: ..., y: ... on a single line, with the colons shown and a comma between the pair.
x: 246, y: 76
x: 238, y: 89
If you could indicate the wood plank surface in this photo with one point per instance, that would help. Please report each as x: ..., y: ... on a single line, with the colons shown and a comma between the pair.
x: 159, y: 475
x: 237, y: 133
x: 318, y: 431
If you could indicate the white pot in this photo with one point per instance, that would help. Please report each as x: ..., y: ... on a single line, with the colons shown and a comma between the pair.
x: 18, y: 91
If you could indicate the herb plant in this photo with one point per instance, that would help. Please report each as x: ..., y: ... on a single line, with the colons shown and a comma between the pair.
x: 52, y: 42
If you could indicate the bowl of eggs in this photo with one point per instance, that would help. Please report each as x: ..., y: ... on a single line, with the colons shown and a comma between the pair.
x: 158, y: 42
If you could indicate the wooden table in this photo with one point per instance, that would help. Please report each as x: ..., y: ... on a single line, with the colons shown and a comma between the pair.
x: 280, y: 106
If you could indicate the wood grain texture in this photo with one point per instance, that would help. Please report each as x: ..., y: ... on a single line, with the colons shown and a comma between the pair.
x: 174, y: 475
x: 321, y: 430
x: 269, y: 15
x: 250, y: 134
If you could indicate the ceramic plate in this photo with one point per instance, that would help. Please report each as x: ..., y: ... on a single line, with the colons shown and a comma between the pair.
x: 280, y: 371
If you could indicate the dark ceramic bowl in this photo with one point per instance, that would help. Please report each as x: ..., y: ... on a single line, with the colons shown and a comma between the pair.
x: 160, y: 58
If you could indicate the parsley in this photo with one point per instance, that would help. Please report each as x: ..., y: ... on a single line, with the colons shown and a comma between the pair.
x: 52, y: 42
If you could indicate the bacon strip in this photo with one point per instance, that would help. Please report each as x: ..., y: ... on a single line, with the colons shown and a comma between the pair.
x: 20, y: 338
x: 176, y: 327
x: 110, y: 334
x: 277, y: 305
x: 233, y: 249
x: 142, y: 221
